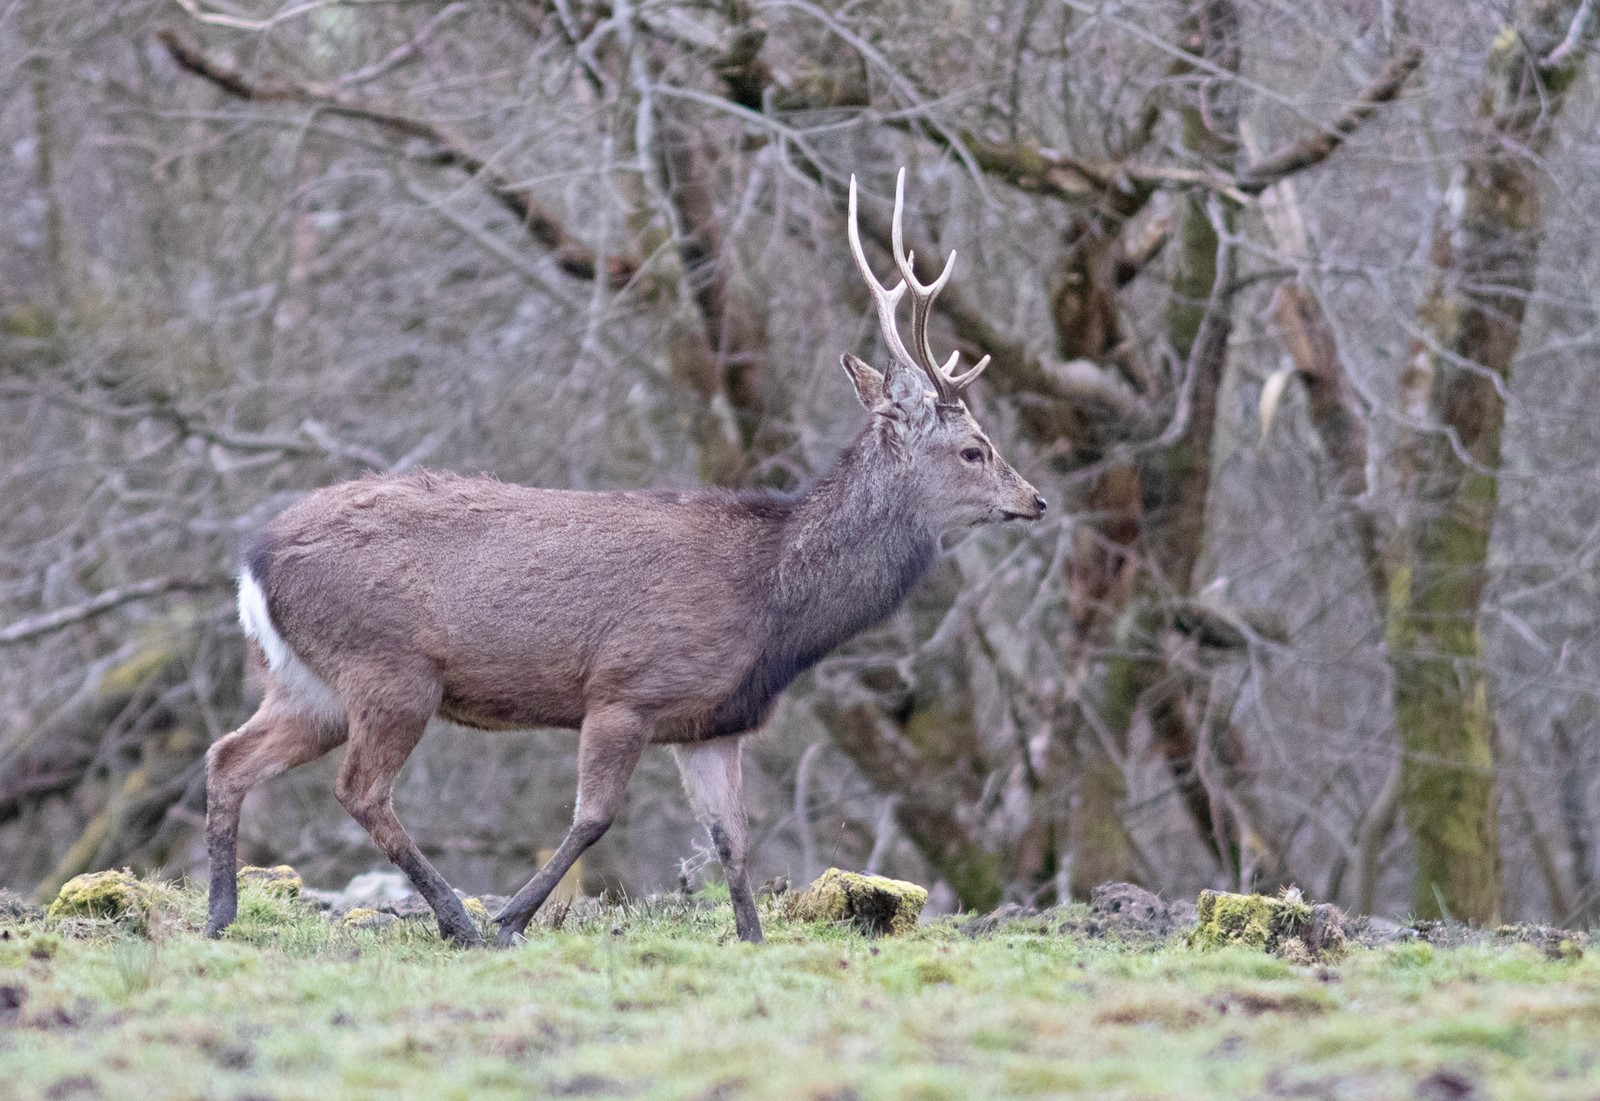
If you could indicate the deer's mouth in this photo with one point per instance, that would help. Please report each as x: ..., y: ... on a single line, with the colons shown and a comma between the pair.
x: 1008, y: 514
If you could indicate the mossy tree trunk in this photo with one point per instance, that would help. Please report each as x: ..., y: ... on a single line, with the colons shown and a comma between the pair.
x: 1485, y: 252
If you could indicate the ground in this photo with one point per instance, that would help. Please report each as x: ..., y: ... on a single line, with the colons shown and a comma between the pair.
x: 659, y: 1000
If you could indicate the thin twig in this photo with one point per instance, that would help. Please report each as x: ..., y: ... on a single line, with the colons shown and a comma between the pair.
x: 1577, y: 31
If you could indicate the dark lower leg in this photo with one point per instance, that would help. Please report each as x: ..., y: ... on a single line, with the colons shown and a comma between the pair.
x: 375, y: 813
x: 455, y: 924
x: 746, y: 922
x: 271, y: 742
x: 526, y: 902
x: 379, y: 745
x: 713, y: 780
x: 222, y: 845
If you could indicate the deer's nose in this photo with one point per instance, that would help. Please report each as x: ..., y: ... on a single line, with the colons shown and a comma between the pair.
x: 1040, y: 503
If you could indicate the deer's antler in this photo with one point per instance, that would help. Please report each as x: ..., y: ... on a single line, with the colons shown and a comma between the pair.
x: 946, y: 384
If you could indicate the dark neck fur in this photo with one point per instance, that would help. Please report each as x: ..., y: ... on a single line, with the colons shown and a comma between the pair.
x: 852, y: 548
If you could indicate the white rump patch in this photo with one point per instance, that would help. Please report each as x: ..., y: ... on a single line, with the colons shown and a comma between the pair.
x: 285, y: 669
x: 257, y: 623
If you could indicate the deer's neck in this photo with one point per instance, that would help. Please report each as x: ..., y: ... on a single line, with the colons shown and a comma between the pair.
x: 853, y: 547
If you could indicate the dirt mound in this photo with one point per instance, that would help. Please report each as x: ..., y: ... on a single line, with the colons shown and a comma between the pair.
x: 1125, y: 909
x: 1555, y: 942
x: 15, y: 908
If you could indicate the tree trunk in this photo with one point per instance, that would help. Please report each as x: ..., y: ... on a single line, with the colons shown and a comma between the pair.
x: 1485, y: 252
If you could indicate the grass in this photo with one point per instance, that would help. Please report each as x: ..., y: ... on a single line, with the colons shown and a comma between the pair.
x: 660, y: 1002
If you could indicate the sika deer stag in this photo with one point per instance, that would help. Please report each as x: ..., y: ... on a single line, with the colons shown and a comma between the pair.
x: 636, y: 618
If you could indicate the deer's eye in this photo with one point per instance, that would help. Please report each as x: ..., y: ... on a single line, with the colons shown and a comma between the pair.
x: 972, y: 454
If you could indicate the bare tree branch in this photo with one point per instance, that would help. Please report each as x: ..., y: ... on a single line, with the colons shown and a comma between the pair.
x: 445, y: 150
x: 1320, y: 146
x: 26, y: 630
x: 1061, y: 175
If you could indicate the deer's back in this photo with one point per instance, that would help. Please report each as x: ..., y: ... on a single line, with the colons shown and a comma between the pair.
x: 528, y: 605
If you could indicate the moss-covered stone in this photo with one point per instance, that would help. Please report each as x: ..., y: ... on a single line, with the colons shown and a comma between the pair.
x: 363, y: 917
x: 278, y: 880
x: 1285, y: 925
x: 476, y: 908
x: 874, y: 903
x: 119, y: 896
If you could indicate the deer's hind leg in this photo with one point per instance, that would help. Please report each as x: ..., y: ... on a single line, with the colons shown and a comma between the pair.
x: 385, y: 726
x: 275, y: 739
x: 714, y: 781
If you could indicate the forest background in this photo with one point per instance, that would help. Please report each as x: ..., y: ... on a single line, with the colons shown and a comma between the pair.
x: 1292, y: 309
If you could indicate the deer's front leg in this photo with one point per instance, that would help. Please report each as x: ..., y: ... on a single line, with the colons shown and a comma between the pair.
x: 609, y: 746
x: 715, y: 784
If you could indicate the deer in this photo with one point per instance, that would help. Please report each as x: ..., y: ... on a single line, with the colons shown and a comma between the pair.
x: 636, y: 618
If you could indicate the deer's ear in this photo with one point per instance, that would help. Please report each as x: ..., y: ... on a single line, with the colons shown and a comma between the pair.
x: 868, y: 383
x: 907, y: 407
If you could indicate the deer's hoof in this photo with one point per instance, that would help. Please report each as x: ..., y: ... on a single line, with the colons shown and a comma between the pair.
x: 462, y: 934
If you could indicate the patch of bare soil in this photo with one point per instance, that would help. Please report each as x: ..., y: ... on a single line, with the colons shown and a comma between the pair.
x: 11, y: 999
x: 1449, y: 1084
x: 76, y: 1085
x: 1253, y: 1002
x: 1120, y: 911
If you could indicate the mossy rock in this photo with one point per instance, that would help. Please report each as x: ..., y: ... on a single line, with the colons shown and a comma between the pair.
x: 363, y: 917
x: 1285, y: 925
x: 117, y: 896
x: 476, y: 908
x: 874, y: 903
x: 279, y: 880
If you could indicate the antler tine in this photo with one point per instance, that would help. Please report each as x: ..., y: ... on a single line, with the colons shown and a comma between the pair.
x: 883, y: 299
x: 962, y: 382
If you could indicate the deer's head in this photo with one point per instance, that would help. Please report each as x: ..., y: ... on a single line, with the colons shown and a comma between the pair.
x: 919, y: 417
